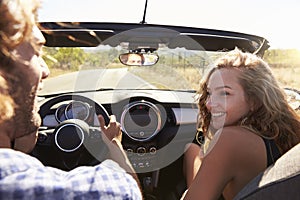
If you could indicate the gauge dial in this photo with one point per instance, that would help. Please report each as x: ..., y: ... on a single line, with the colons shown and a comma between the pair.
x: 77, y: 110
x: 141, y: 120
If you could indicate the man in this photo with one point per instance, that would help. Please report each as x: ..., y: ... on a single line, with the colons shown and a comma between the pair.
x: 21, y: 72
x: 134, y: 59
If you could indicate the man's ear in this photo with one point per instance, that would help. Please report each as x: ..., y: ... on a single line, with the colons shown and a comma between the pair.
x: 25, y: 143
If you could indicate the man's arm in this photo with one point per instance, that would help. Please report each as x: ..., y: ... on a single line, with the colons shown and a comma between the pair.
x: 113, y: 140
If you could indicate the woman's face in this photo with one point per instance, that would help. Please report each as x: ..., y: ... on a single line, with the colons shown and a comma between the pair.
x: 29, y: 71
x: 226, y: 99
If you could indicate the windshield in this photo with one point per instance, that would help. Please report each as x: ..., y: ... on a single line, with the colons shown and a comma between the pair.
x: 177, y: 69
x: 85, y: 57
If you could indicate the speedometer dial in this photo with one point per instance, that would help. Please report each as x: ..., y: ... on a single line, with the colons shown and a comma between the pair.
x: 141, y: 120
x: 77, y: 110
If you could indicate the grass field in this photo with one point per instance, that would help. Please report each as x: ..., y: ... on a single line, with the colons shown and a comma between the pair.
x: 288, y: 77
x: 285, y: 64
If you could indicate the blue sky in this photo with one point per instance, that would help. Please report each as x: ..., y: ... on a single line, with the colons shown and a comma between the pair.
x: 276, y: 20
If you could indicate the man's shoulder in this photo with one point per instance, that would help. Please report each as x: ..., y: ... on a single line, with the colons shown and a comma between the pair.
x: 21, y: 174
x: 7, y: 153
x: 17, y: 168
x: 12, y: 161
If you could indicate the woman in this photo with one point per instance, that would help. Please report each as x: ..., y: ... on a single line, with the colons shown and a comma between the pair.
x: 248, y: 122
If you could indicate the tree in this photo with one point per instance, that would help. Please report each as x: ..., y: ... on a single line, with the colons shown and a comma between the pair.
x: 70, y: 58
x: 65, y: 57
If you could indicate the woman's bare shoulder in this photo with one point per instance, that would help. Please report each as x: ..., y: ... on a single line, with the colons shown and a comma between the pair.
x: 236, y: 139
x: 237, y: 133
x: 234, y: 153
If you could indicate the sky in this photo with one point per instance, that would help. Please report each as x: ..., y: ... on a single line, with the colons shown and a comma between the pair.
x: 276, y: 20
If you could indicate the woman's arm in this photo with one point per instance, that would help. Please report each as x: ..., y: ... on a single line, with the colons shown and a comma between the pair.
x: 214, y: 173
x: 234, y: 157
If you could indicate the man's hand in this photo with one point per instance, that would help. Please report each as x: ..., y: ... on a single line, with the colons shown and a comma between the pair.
x: 113, y: 130
x: 113, y: 138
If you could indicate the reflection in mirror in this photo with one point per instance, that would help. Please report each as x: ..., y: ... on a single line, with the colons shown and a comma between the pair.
x: 138, y: 59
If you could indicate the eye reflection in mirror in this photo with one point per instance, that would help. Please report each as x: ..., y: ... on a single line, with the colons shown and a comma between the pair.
x: 138, y: 59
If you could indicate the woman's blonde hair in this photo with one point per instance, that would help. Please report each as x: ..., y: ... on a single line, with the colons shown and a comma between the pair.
x: 272, y: 117
x: 17, y: 18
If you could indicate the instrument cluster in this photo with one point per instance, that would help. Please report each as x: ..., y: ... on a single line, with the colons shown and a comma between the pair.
x: 73, y: 110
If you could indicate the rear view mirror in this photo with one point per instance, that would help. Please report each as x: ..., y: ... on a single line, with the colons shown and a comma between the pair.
x: 138, y: 59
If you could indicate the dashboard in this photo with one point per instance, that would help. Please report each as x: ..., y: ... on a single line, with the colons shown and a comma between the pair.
x: 155, y: 130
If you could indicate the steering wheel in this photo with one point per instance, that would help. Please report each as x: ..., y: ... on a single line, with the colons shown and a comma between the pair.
x: 71, y: 142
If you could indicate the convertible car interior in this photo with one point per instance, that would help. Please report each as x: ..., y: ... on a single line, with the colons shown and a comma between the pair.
x: 155, y: 100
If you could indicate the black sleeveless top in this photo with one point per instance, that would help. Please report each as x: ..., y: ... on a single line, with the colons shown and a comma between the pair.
x: 273, y: 152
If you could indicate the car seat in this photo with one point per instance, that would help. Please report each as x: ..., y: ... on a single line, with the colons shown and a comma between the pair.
x: 279, y: 181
